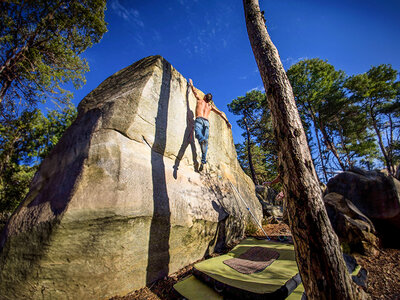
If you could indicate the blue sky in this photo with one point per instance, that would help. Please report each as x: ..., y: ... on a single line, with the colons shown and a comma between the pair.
x: 207, y: 40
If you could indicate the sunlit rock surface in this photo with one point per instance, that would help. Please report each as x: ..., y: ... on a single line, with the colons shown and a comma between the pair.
x: 119, y: 203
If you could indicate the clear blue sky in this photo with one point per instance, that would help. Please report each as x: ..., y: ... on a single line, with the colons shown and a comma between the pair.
x: 207, y: 40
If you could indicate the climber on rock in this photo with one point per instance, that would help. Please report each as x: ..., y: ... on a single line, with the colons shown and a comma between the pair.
x: 204, y: 106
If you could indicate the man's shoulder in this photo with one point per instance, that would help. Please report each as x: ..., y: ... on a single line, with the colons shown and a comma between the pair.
x: 200, y: 95
x: 200, y: 101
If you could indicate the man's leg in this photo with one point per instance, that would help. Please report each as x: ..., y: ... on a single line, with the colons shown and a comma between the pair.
x: 198, y: 130
x: 204, y: 143
x: 199, y: 133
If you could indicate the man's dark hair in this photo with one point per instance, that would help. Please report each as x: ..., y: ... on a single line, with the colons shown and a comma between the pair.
x: 208, y: 97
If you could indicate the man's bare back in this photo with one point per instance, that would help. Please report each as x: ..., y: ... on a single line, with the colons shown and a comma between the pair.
x: 203, y: 109
x: 204, y: 106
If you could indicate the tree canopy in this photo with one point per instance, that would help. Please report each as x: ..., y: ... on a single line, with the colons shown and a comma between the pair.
x: 40, y: 47
x: 257, y: 155
x: 350, y: 121
x: 40, y: 44
x: 376, y: 92
x: 24, y: 143
x: 337, y: 128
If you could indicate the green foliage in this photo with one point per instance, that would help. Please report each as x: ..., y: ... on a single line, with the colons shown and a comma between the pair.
x: 377, y: 94
x: 346, y: 119
x: 55, y: 125
x: 257, y: 125
x: 337, y: 130
x: 14, y: 185
x: 24, y: 142
x: 251, y: 228
x: 263, y: 168
x: 249, y: 106
x: 40, y: 44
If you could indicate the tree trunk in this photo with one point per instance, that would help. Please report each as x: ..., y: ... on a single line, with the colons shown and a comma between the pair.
x: 3, y: 90
x: 329, y: 145
x: 380, y: 141
x: 344, y: 147
x: 319, y: 258
x: 17, y: 54
x: 321, y: 154
x: 251, y: 166
x: 391, y: 145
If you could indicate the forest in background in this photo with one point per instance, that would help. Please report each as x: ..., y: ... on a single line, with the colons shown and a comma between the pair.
x: 40, y: 47
x: 350, y: 121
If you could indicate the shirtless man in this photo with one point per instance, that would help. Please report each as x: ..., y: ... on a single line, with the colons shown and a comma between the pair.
x: 204, y: 106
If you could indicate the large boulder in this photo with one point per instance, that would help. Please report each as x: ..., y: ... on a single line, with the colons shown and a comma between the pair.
x: 266, y: 194
x: 355, y: 230
x: 119, y: 202
x: 376, y: 195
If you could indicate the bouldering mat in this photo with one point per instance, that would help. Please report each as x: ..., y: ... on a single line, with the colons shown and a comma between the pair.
x: 297, y: 293
x: 271, y: 280
x: 193, y: 289
x: 275, y: 282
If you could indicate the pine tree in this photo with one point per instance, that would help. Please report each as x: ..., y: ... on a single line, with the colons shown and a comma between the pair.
x: 40, y: 44
x: 259, y: 145
x: 339, y: 126
x: 24, y: 143
x: 376, y: 92
x: 249, y: 107
x: 318, y: 253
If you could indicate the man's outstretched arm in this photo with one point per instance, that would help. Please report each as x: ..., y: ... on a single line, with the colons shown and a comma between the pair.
x: 195, y: 93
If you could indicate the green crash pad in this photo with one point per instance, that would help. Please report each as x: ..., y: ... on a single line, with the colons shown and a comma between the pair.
x: 297, y: 293
x: 267, y: 281
x: 193, y: 289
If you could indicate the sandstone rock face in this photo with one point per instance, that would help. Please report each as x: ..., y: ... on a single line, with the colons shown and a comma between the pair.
x: 376, y: 195
x: 119, y: 202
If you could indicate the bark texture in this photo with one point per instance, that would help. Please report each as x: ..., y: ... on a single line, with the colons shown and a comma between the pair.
x: 318, y: 253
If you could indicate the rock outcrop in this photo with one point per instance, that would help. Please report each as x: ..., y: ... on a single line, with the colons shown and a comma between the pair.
x: 376, y: 195
x: 355, y: 230
x: 266, y: 194
x: 119, y: 202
